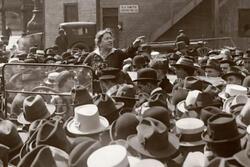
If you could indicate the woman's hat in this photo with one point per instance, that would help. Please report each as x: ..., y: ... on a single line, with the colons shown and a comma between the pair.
x: 111, y: 155
x: 124, y: 126
x: 35, y: 108
x: 87, y: 121
x: 153, y: 140
x: 190, y: 130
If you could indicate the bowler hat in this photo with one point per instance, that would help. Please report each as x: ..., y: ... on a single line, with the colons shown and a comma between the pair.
x: 235, y: 72
x: 153, y: 140
x: 108, y: 107
x: 185, y: 63
x: 190, y: 130
x: 45, y: 156
x: 212, y: 63
x: 124, y: 126
x: 87, y: 121
x: 159, y: 113
x: 115, y: 155
x: 139, y: 61
x: 81, y: 96
x: 79, y: 155
x: 34, y: 107
x: 221, y: 128
x: 146, y: 74
x: 207, y: 112
x: 9, y: 137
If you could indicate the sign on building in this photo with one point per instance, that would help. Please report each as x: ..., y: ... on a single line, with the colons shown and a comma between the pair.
x: 129, y: 8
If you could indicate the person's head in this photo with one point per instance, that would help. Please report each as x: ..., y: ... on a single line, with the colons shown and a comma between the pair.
x: 211, y: 72
x: 61, y: 31
x: 224, y: 67
x: 234, y: 79
x: 104, y: 39
x: 183, y: 72
x: 161, y: 66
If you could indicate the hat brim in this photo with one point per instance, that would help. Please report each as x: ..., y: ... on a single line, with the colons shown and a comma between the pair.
x: 107, y: 77
x: 71, y: 128
x: 192, y: 144
x: 181, y: 106
x: 205, y: 136
x: 225, y: 76
x: 60, y: 156
x: 170, y: 151
x: 51, y: 110
x: 242, y: 158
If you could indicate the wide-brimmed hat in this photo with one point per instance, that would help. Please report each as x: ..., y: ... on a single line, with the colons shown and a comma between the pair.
x: 222, y: 128
x: 184, y: 62
x: 52, y: 133
x: 79, y: 155
x: 10, y: 137
x: 87, y: 121
x: 51, y: 79
x: 212, y: 63
x: 45, y: 156
x: 81, y: 96
x: 153, y: 140
x: 108, y: 107
x: 34, y: 108
x: 207, y: 112
x: 159, y: 113
x: 189, y: 131
x: 115, y: 155
x: 124, y: 126
x: 195, y: 83
x: 232, y: 90
x: 234, y: 71
x: 146, y: 74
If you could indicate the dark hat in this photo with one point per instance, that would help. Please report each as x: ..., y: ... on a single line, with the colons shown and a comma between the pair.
x: 9, y: 137
x: 185, y: 63
x: 108, y: 107
x: 126, y: 92
x: 221, y: 128
x: 157, y: 99
x: 173, y: 56
x: 208, y: 112
x: 52, y: 133
x: 146, y: 74
x: 79, y: 155
x: 109, y: 73
x: 124, y: 126
x: 194, y: 83
x: 153, y: 140
x: 34, y: 107
x: 139, y: 61
x: 81, y: 96
x: 45, y: 156
x: 212, y: 63
x: 159, y: 113
x: 234, y: 71
x: 159, y: 64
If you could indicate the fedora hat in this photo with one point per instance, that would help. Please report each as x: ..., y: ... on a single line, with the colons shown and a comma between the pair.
x: 10, y: 137
x: 212, y: 63
x: 185, y: 63
x: 124, y: 126
x: 146, y: 74
x: 189, y: 131
x: 115, y: 155
x: 45, y: 156
x: 52, y: 133
x: 81, y: 96
x: 232, y: 90
x: 153, y: 140
x: 194, y: 83
x: 234, y: 71
x: 51, y: 79
x: 207, y: 112
x: 108, y: 107
x: 159, y: 113
x: 87, y: 121
x: 79, y: 155
x: 34, y: 108
x: 125, y: 92
x: 221, y: 128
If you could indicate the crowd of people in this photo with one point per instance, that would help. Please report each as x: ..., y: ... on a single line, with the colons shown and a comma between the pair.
x: 186, y: 107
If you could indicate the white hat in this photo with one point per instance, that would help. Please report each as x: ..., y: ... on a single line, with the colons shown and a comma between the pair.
x: 149, y: 163
x: 111, y: 156
x: 232, y: 90
x: 234, y: 102
x: 190, y: 128
x: 194, y: 159
x: 87, y: 121
x: 190, y: 100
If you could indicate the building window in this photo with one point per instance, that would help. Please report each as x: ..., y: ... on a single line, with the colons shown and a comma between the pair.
x: 244, y: 22
x: 70, y: 12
